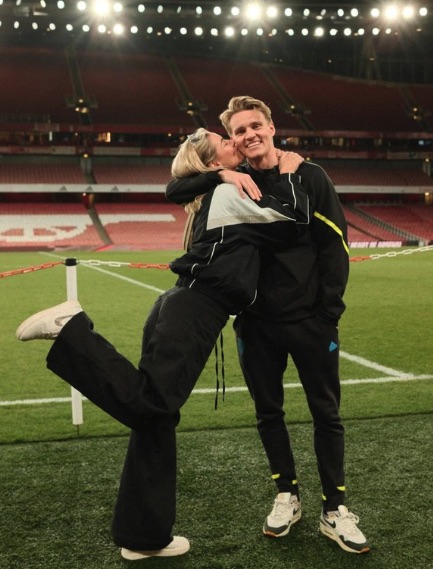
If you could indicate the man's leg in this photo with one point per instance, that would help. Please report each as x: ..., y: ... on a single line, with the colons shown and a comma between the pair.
x: 314, y: 346
x: 263, y: 361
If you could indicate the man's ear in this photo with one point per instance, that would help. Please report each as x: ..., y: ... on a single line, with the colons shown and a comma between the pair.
x: 272, y: 127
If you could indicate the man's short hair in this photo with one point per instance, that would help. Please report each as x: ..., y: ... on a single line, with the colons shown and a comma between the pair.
x: 243, y: 103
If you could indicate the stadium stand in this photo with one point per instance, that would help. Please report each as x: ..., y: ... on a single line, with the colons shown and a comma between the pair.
x: 148, y: 94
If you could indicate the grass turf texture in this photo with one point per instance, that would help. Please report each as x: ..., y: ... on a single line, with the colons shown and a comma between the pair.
x: 58, y: 494
x: 57, y: 501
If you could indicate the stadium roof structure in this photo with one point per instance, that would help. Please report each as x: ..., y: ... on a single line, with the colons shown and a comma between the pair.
x: 377, y: 39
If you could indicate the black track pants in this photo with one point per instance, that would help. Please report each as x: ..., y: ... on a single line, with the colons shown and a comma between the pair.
x: 178, y: 337
x: 312, y: 343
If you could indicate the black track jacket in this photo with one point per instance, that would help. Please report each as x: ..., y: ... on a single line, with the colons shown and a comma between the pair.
x: 229, y: 233
x: 309, y: 274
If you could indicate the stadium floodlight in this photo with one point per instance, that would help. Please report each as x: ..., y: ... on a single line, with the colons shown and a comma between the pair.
x: 141, y: 8
x: 102, y: 28
x: 198, y: 31
x: 288, y: 12
x: 347, y: 32
x: 81, y: 6
x: 117, y: 7
x: 101, y: 7
x: 214, y: 32
x: 60, y: 4
x: 253, y: 11
x: 134, y: 30
x: 390, y: 12
x: 375, y: 12
x: 183, y: 31
x: 272, y: 12
x: 319, y: 32
x: 118, y: 29
x: 423, y: 12
x: 408, y: 12
x: 229, y: 31
x: 217, y: 10
x: 235, y: 11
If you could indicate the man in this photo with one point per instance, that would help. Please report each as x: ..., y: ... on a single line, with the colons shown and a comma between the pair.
x: 298, y: 306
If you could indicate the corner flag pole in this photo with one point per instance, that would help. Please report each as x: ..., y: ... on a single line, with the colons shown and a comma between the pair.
x: 72, y: 294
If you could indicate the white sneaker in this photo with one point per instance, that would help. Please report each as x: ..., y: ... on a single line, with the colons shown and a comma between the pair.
x: 178, y: 546
x: 46, y: 325
x: 341, y: 526
x: 285, y: 513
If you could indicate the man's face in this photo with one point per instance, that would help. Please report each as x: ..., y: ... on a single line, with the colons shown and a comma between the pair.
x: 253, y: 134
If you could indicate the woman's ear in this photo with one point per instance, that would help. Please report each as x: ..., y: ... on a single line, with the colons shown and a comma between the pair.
x: 215, y: 164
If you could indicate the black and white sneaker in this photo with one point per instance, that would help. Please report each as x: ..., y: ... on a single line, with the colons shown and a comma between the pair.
x: 342, y: 527
x: 285, y: 513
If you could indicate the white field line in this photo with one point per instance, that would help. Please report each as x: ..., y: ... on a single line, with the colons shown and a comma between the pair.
x: 206, y: 391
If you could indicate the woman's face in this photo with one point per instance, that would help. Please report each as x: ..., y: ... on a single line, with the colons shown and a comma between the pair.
x: 227, y: 155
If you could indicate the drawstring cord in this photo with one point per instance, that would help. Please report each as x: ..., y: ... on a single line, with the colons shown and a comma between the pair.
x: 217, y: 370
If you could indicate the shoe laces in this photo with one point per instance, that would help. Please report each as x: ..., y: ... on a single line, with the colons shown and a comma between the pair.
x: 282, y: 508
x: 346, y: 521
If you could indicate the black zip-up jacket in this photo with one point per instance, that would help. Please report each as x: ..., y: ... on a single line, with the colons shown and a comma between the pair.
x: 229, y: 233
x: 308, y: 275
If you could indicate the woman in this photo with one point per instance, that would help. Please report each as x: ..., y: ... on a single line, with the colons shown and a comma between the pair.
x: 217, y: 277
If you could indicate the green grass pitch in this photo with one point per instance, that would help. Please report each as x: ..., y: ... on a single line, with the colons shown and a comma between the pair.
x: 59, y: 481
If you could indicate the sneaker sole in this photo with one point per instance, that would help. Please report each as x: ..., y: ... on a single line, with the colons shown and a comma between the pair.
x: 270, y: 533
x: 131, y: 555
x: 329, y: 533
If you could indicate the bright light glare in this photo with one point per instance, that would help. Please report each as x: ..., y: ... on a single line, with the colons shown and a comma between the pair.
x: 319, y: 32
x: 118, y: 29
x: 101, y: 7
x: 408, y: 12
x: 229, y: 32
x: 118, y: 7
x: 391, y: 12
x: 81, y: 6
x: 272, y: 12
x: 198, y: 31
x: 217, y: 11
x: 253, y: 11
x: 375, y: 12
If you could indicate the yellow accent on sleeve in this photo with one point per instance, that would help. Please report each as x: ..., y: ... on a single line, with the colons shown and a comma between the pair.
x: 334, y: 227
x: 341, y: 488
x: 275, y: 476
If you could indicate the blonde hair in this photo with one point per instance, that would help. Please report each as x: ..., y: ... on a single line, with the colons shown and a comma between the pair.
x: 194, y: 155
x: 243, y: 103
